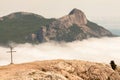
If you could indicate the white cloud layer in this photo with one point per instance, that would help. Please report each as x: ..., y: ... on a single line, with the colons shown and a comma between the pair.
x: 98, y: 50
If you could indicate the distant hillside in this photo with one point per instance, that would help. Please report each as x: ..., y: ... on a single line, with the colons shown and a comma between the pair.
x: 17, y: 26
x: 74, y: 26
x: 115, y: 31
x: 59, y: 70
x: 24, y: 27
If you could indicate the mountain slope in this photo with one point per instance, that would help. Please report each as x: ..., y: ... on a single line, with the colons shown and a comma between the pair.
x: 24, y: 27
x: 59, y: 70
x: 17, y: 26
x: 73, y: 26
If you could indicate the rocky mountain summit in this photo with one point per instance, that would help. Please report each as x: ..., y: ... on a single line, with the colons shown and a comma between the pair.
x: 59, y: 70
x: 74, y: 26
x: 22, y: 27
x: 74, y: 17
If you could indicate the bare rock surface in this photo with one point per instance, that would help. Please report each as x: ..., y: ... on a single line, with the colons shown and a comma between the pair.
x: 75, y: 17
x: 34, y: 28
x: 71, y: 27
x: 58, y: 70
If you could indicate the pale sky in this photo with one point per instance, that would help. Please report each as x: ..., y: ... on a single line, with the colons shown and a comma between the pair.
x: 97, y: 10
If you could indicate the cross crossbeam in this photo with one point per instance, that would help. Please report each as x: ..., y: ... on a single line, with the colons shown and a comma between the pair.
x: 11, y: 51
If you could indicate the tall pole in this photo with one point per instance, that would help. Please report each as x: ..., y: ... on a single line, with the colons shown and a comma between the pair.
x: 11, y: 51
x: 11, y: 56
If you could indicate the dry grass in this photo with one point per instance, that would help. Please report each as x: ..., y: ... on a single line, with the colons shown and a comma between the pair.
x: 58, y: 69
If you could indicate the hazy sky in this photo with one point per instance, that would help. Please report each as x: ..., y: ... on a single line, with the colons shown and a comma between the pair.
x: 100, y: 10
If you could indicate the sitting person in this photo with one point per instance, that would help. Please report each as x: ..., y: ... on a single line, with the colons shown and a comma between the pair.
x: 113, y: 65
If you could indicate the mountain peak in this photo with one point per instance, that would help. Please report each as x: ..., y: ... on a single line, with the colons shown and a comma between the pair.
x: 71, y: 27
x: 75, y: 11
x: 76, y: 16
x: 20, y: 14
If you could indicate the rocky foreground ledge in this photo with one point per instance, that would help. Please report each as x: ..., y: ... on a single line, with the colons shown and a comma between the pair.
x: 59, y: 70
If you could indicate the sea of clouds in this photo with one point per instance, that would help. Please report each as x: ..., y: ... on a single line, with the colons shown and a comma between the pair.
x: 96, y: 50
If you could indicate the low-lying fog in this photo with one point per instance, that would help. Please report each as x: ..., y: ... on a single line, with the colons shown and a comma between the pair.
x: 98, y: 50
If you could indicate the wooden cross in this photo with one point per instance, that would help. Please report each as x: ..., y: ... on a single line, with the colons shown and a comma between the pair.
x: 11, y: 51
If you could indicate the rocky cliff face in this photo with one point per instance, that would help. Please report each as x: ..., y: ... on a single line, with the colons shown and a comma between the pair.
x: 59, y: 70
x: 22, y: 27
x: 74, y: 17
x: 73, y: 26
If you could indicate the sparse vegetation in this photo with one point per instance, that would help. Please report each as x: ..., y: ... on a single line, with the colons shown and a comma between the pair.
x: 16, y: 29
x: 93, y: 26
x: 81, y: 70
x: 21, y: 27
x: 69, y: 34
